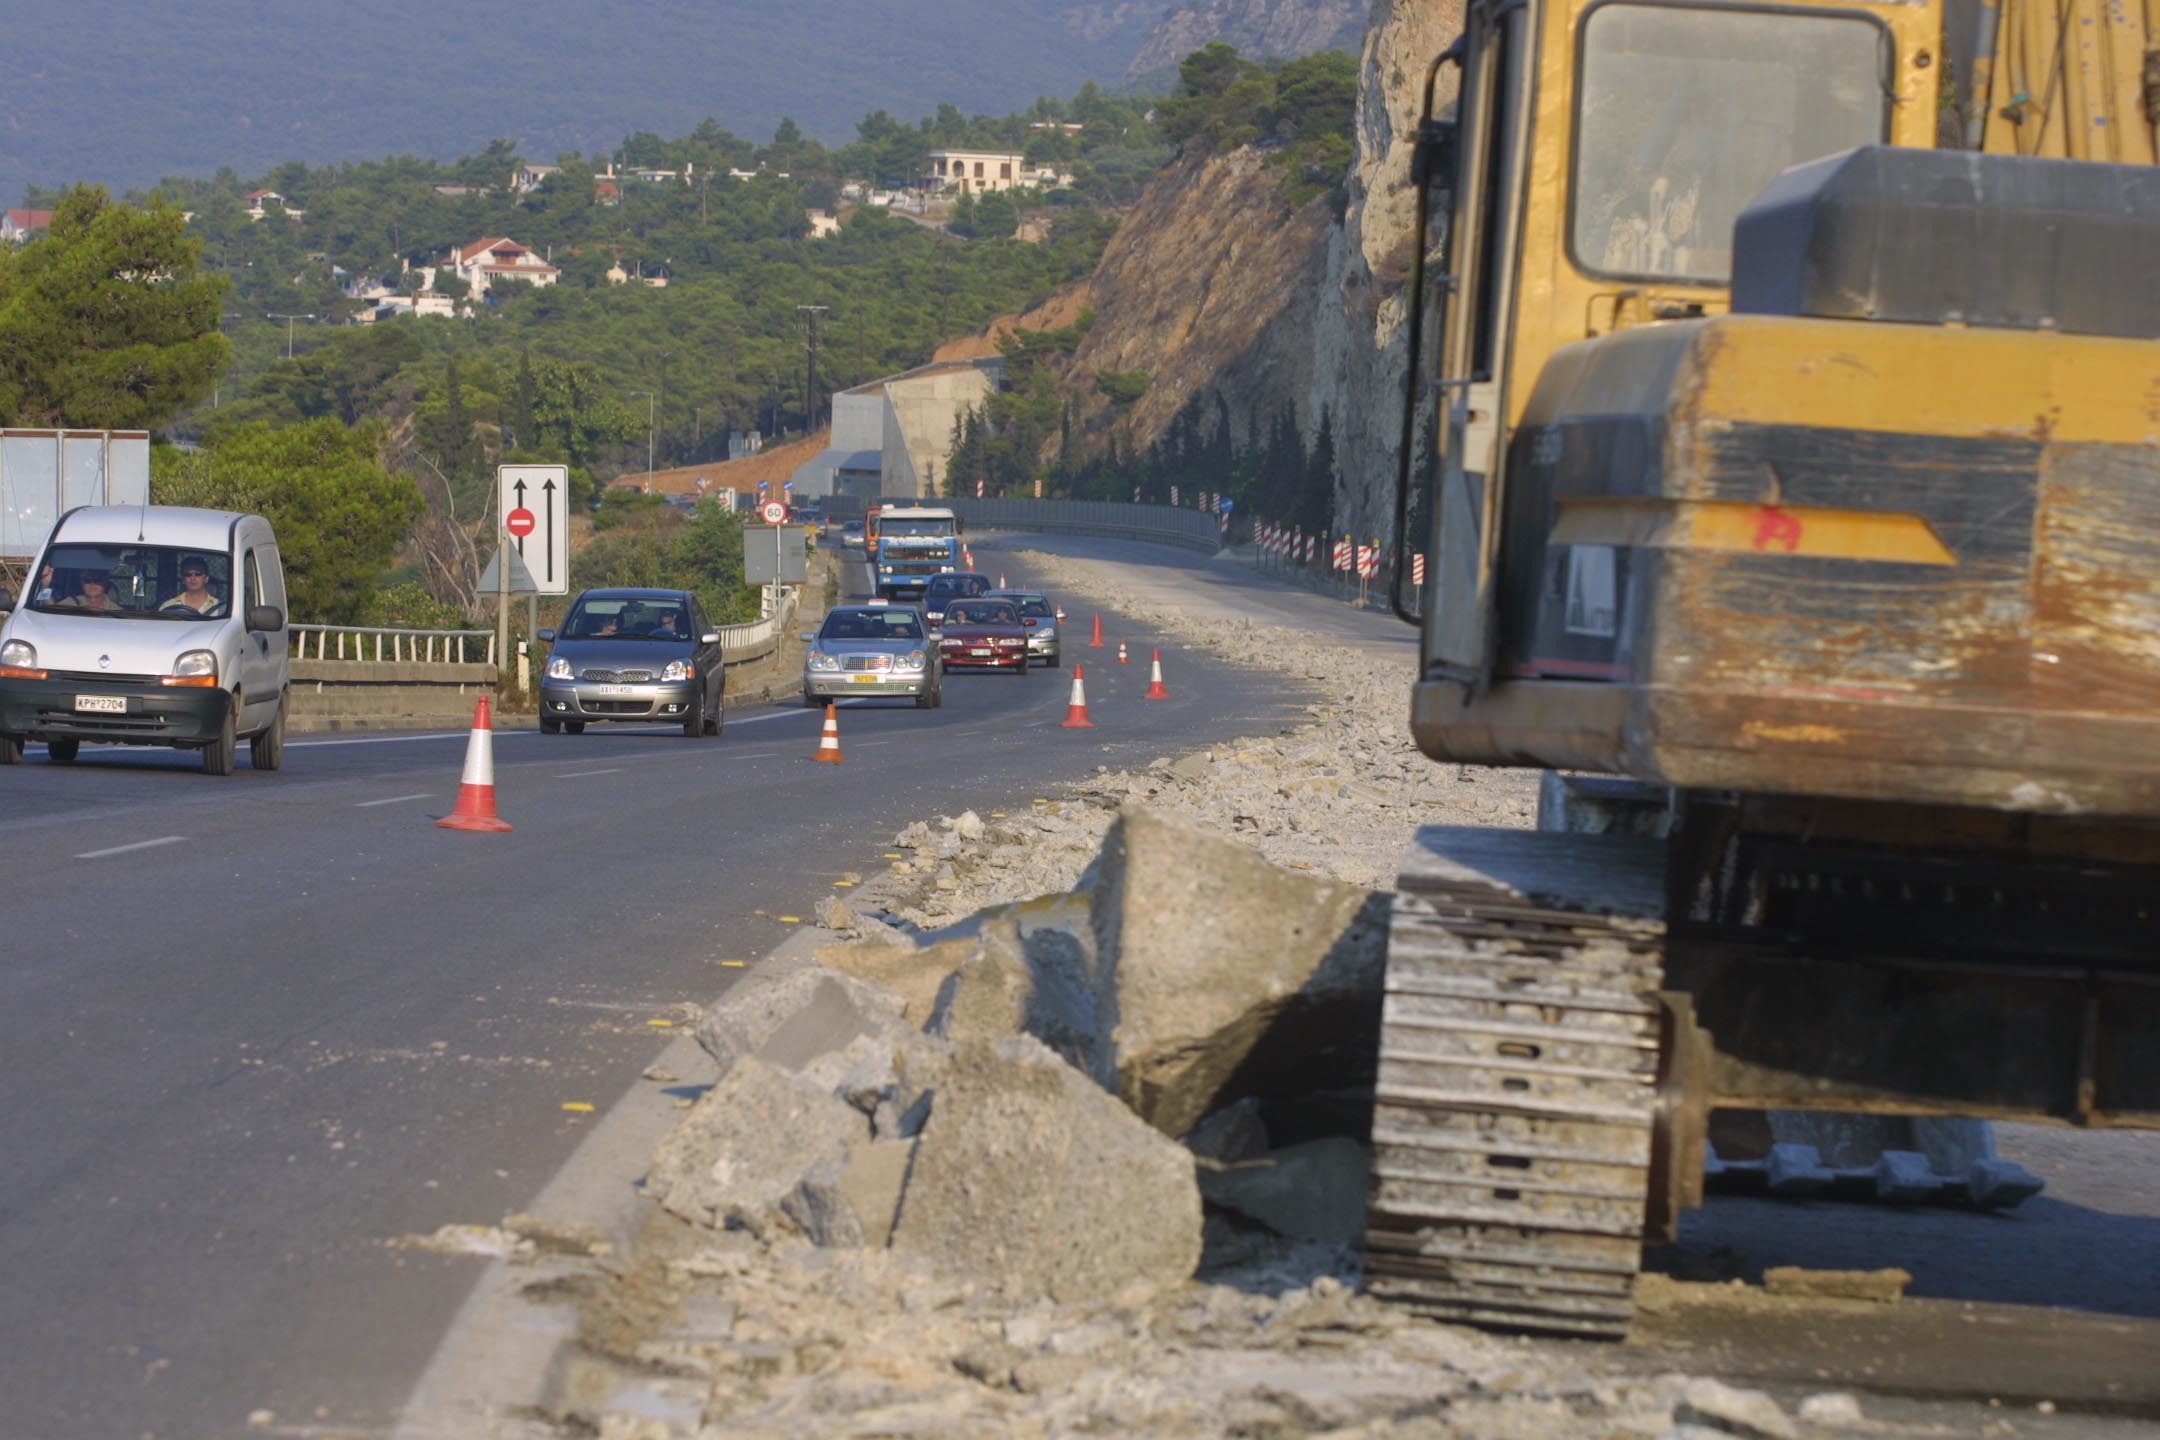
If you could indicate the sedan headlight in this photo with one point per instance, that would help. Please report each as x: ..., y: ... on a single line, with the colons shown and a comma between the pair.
x: 679, y: 670
x: 195, y: 668
x: 819, y: 660
x: 558, y: 668
x: 913, y: 660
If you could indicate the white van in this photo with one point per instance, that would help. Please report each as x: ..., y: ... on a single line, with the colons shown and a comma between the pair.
x: 148, y: 625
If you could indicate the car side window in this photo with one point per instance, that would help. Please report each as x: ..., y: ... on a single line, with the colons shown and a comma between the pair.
x: 251, y: 584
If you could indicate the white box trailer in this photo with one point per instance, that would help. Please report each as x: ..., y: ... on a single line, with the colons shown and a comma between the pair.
x: 46, y: 473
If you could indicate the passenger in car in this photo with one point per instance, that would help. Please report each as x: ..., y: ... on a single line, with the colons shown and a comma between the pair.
x: 96, y: 593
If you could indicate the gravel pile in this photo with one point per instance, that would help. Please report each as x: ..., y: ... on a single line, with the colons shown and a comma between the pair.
x: 1337, y: 796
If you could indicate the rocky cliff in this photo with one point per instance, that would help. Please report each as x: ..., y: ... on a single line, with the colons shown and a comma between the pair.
x: 1260, y: 29
x: 1358, y: 355
x: 1208, y: 288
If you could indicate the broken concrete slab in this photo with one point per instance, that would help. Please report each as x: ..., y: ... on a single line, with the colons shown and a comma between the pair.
x: 1235, y: 1132
x: 747, y: 1143
x: 792, y: 1016
x: 1008, y: 984
x: 1028, y: 1177
x: 912, y: 974
x: 852, y: 1199
x: 1314, y: 1191
x: 1223, y: 975
x: 1883, y: 1287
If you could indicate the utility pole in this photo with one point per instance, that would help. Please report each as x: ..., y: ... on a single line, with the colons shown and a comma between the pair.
x: 648, y: 434
x: 288, y: 319
x: 813, y: 320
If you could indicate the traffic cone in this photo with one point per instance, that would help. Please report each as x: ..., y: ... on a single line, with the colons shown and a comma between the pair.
x: 476, y: 789
x: 1096, y: 643
x: 1156, y: 690
x: 1076, y: 708
x: 967, y: 557
x: 1121, y: 654
x: 828, y: 745
x: 1001, y: 580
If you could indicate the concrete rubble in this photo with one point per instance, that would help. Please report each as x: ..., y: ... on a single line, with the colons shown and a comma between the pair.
x: 938, y: 1186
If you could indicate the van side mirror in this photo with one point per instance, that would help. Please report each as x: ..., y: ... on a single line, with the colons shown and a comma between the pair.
x: 7, y: 601
x: 547, y: 634
x: 266, y: 618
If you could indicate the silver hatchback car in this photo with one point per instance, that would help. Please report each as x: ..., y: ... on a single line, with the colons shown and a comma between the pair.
x: 1041, y: 619
x: 872, y: 650
x: 636, y: 656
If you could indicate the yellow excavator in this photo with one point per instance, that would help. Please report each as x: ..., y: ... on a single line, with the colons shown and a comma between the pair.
x: 1793, y: 397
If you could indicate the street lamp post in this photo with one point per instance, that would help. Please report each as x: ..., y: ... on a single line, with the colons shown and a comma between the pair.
x: 649, y: 397
x: 288, y: 319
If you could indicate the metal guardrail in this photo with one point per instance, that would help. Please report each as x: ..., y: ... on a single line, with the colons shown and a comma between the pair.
x: 377, y: 645
x: 1162, y: 524
x: 393, y: 647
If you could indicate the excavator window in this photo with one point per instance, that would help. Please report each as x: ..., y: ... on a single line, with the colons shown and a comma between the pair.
x: 1685, y: 112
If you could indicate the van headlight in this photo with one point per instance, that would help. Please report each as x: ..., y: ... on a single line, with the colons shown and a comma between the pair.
x: 679, y: 670
x: 819, y: 660
x: 18, y: 661
x: 558, y: 668
x: 195, y: 668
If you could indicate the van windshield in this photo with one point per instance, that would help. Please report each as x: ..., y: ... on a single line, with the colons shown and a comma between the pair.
x: 139, y: 581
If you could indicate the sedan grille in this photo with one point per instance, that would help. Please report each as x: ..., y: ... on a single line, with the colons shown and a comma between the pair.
x: 616, y: 677
x: 867, y: 662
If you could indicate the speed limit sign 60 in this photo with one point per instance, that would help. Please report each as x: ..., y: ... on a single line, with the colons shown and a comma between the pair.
x: 774, y: 512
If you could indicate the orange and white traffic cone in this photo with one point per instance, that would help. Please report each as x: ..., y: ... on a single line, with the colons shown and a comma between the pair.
x: 1076, y: 709
x: 1001, y: 580
x: 1156, y: 690
x: 1096, y: 642
x: 476, y: 789
x: 967, y: 557
x: 828, y: 745
x: 1121, y: 654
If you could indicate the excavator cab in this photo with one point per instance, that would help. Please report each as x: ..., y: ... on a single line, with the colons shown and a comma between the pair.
x: 1800, y: 477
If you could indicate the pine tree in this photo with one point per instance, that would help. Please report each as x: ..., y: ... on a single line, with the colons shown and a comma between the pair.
x: 1316, y: 500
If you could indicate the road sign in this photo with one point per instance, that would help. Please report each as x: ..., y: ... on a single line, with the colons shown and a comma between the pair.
x: 773, y: 554
x: 521, y: 578
x: 774, y: 513
x: 541, y: 493
x: 1225, y: 504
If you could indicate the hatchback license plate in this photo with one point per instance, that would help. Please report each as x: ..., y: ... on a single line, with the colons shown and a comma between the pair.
x: 979, y: 652
x: 101, y: 704
x: 615, y: 689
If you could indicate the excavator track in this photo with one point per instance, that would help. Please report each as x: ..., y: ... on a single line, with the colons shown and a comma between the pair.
x: 1516, y: 1103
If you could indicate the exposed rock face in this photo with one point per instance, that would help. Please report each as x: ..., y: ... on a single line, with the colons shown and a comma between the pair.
x: 1260, y: 29
x: 1028, y: 1176
x: 1359, y: 356
x: 1208, y: 287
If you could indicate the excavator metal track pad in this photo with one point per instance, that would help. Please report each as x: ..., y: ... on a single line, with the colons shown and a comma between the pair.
x: 1518, y: 1081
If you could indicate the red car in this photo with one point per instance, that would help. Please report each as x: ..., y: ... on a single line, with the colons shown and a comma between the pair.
x: 985, y: 634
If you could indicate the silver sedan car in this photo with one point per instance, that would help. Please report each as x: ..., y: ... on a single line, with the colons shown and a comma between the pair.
x: 1041, y: 619
x: 872, y: 650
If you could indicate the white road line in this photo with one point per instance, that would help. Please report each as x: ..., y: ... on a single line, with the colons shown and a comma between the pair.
x: 392, y: 800
x: 394, y: 739
x: 138, y: 845
x: 581, y: 774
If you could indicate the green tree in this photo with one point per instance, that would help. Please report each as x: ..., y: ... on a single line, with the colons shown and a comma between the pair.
x: 105, y: 322
x: 339, y: 514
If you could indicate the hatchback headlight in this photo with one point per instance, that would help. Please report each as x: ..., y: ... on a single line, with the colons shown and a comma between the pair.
x: 819, y: 660
x: 679, y: 670
x: 195, y: 668
x: 558, y: 668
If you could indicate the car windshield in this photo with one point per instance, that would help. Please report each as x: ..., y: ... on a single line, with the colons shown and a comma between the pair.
x: 1688, y: 111
x: 614, y: 617
x: 982, y: 612
x: 915, y: 528
x: 944, y: 587
x: 871, y: 625
x: 1032, y: 605
x: 139, y: 581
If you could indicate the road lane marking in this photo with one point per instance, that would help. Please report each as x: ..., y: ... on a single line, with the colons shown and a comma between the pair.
x: 396, y: 739
x: 392, y: 800
x: 581, y: 774
x: 138, y: 845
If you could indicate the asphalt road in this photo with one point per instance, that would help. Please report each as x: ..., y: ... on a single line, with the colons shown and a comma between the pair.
x: 254, y: 1029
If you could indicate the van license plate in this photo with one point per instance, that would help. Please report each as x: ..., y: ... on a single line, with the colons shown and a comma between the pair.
x: 101, y: 704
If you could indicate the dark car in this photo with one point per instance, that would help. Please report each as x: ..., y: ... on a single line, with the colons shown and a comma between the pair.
x: 942, y: 590
x: 635, y: 656
x: 985, y: 634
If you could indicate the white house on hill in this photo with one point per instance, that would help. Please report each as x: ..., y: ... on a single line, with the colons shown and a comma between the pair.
x: 483, y: 262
